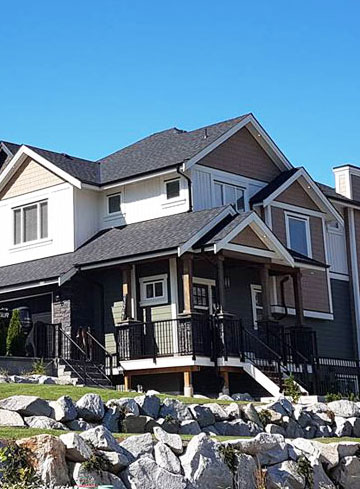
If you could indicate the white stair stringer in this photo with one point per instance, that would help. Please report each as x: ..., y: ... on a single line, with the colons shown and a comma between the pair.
x: 262, y: 379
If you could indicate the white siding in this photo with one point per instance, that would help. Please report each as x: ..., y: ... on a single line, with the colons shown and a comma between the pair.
x: 201, y: 181
x: 86, y: 204
x: 337, y: 251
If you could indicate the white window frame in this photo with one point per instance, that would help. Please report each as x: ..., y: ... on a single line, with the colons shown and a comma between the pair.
x: 38, y: 230
x: 299, y: 217
x: 228, y: 184
x: 255, y: 288
x: 175, y: 201
x: 117, y: 213
x: 209, y: 283
x: 169, y: 180
x: 153, y: 301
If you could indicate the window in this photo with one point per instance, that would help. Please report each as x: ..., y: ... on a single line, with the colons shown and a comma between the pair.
x: 30, y: 222
x: 298, y: 234
x: 204, y: 294
x: 172, y: 189
x: 114, y: 203
x: 201, y: 296
x: 257, y: 304
x: 153, y: 290
x: 229, y: 194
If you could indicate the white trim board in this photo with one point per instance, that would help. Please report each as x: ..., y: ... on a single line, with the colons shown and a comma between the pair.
x: 307, y: 313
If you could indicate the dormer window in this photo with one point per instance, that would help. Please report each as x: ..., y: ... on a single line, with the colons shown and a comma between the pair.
x: 114, y: 203
x: 229, y: 194
x: 172, y: 189
x: 30, y: 222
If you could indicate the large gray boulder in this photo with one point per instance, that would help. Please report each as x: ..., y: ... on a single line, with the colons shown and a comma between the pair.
x: 44, y: 423
x: 233, y: 411
x: 275, y: 429
x: 242, y: 397
x: 237, y: 427
x: 320, y: 478
x: 245, y: 472
x: 134, y: 424
x: 218, y: 411
x: 345, y: 409
x: 172, y: 441
x: 11, y: 418
x: 166, y: 458
x: 112, y: 418
x: 169, y: 425
x: 126, y: 405
x: 95, y: 478
x: 175, y: 409
x: 116, y: 461
x: 64, y: 409
x: 355, y: 425
x: 138, y: 445
x: 80, y: 425
x: 77, y: 450
x: 343, y: 427
x: 251, y: 414
x: 149, y: 405
x: 269, y: 449
x: 90, y: 408
x: 292, y: 428
x: 203, y: 415
x: 347, y: 473
x: 26, y: 405
x: 101, y: 438
x: 145, y: 473
x: 282, y: 406
x: 285, y: 476
x: 203, y: 464
x: 189, y: 427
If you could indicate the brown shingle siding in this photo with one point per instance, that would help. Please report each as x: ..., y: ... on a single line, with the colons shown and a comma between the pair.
x: 296, y: 195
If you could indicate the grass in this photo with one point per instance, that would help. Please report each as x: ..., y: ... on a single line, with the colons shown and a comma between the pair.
x: 53, y: 392
x: 336, y: 440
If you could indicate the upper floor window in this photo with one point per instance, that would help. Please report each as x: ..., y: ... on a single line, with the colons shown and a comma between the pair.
x: 298, y: 234
x: 229, y: 194
x: 114, y: 203
x: 30, y: 222
x: 172, y: 188
x: 153, y: 290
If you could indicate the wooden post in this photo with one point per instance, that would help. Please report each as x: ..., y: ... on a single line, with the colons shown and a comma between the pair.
x: 299, y: 306
x: 265, y: 284
x: 221, y: 283
x: 127, y: 382
x: 188, y: 387
x: 126, y: 289
x: 187, y: 279
x: 226, y: 386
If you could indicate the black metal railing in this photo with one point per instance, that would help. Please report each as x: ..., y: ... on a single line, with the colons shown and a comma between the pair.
x: 100, y: 357
x: 337, y: 376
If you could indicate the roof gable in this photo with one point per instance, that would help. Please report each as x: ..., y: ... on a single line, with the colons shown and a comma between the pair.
x: 248, y: 237
x: 296, y: 194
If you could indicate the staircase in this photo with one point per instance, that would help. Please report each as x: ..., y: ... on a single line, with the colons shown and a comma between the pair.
x: 83, y: 374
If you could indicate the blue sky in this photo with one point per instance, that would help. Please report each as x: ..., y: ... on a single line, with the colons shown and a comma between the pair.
x: 89, y: 77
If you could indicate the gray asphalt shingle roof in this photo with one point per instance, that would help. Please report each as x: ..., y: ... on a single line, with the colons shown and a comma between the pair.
x: 163, y: 233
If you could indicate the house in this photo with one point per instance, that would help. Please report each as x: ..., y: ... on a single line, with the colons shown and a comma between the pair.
x: 188, y: 261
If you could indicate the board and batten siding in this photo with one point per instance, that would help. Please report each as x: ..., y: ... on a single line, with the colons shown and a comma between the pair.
x: 337, y: 252
x: 31, y: 176
x: 355, y: 187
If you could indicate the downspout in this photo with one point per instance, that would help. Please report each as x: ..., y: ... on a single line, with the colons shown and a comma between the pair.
x: 181, y: 173
x: 282, y: 294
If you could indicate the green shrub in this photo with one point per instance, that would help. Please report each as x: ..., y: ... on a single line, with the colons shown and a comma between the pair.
x: 16, y: 469
x: 291, y: 388
x: 96, y: 463
x: 38, y: 368
x: 331, y: 396
x: 15, y: 340
x: 265, y: 417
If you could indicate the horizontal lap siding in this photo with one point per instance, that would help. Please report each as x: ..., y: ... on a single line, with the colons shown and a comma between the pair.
x: 278, y: 224
x: 317, y: 239
x: 241, y: 154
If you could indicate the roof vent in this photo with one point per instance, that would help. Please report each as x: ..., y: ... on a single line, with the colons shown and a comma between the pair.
x: 66, y: 155
x: 179, y: 131
x: 206, y: 133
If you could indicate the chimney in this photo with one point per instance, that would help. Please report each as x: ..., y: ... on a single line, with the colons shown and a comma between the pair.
x: 347, y: 181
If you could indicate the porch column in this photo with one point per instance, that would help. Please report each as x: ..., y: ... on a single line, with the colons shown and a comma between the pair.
x: 226, y: 387
x: 126, y: 289
x: 299, y: 306
x: 187, y: 279
x: 265, y: 284
x: 127, y: 382
x: 188, y: 387
x: 221, y: 283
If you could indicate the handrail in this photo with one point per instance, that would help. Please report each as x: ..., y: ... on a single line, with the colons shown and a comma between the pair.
x: 267, y: 347
x: 72, y: 341
x: 107, y: 353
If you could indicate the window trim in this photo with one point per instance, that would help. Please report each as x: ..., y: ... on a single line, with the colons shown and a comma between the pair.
x: 169, y: 180
x: 215, y: 181
x: 153, y: 301
x: 209, y: 282
x: 38, y: 239
x: 117, y: 213
x: 299, y: 217
x: 254, y: 288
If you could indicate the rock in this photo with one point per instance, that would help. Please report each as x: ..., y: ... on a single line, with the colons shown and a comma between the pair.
x: 116, y: 461
x: 269, y: 449
x: 347, y: 448
x: 47, y: 458
x: 126, y: 405
x: 94, y: 478
x: 203, y: 415
x: 303, y: 418
x: 176, y: 409
x: 44, y: 422
x: 245, y: 472
x: 242, y: 397
x: 77, y: 450
x: 233, y: 411
x: 284, y: 476
x: 189, y: 427
x: 166, y: 458
x: 275, y: 429
x: 347, y: 473
x: 45, y: 379
x: 237, y: 427
x: 90, y: 407
x: 309, y: 432
x: 152, y: 392
x: 79, y: 425
x: 26, y: 405
x: 320, y: 478
x: 203, y: 464
x: 64, y: 409
x: 138, y: 445
x: 149, y: 405
x: 225, y: 397
x: 343, y: 427
x: 345, y: 409
x: 210, y: 430
x: 293, y: 430
x: 355, y: 425
x: 145, y: 473
x: 171, y: 426
x: 134, y: 424
x: 172, y: 441
x: 328, y: 454
x: 282, y: 406
x: 102, y: 439
x: 324, y: 431
x: 22, y: 379
x: 150, y: 425
x: 218, y: 411
x: 11, y: 418
x: 251, y: 414
x: 200, y: 396
x: 111, y: 419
